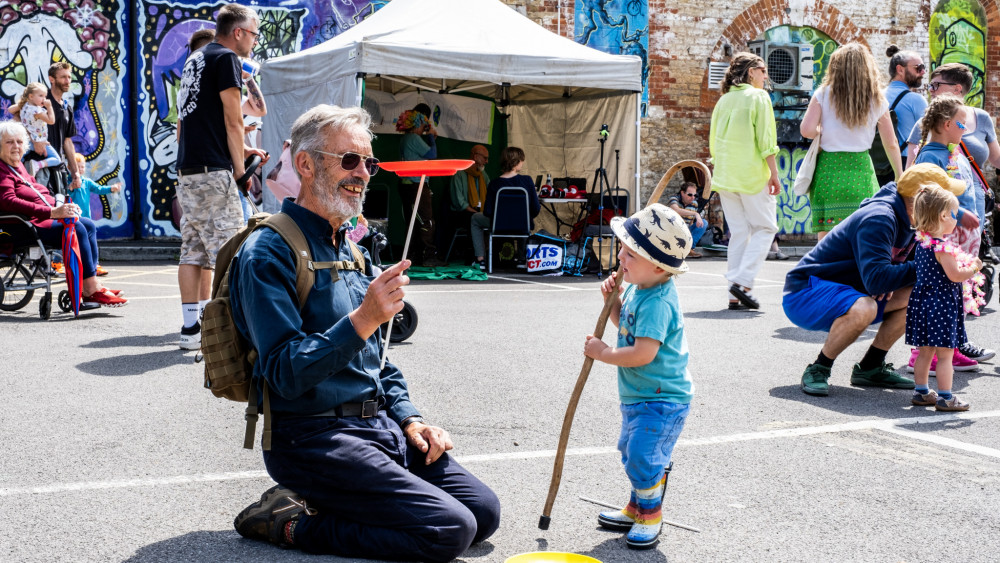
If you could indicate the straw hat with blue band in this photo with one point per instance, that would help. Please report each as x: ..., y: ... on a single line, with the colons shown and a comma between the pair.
x: 658, y: 234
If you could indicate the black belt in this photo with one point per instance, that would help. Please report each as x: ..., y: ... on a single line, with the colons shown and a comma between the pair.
x: 367, y: 409
x: 200, y: 170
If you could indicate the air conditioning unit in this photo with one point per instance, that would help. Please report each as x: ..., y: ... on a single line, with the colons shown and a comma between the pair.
x: 789, y: 65
x: 716, y: 74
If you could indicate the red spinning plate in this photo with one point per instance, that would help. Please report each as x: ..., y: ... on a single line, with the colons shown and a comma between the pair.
x: 408, y: 168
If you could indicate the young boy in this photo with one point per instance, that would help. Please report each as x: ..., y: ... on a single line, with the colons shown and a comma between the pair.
x: 81, y: 195
x: 654, y: 385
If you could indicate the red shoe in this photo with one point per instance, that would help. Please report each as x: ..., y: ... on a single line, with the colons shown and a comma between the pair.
x: 115, y: 292
x: 105, y: 298
x: 102, y: 272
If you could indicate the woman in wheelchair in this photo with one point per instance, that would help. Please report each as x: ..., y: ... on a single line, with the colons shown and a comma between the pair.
x: 21, y: 195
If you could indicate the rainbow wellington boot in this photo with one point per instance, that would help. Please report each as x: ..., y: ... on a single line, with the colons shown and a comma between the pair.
x: 645, y: 532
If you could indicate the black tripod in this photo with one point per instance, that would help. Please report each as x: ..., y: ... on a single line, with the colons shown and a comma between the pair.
x: 603, y: 187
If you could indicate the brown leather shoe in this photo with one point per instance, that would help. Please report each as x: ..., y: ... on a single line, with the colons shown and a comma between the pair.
x: 694, y: 254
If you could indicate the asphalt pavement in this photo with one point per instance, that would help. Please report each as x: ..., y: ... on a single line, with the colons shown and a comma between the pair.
x: 113, y: 451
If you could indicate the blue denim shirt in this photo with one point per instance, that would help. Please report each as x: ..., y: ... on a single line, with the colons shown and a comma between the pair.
x: 312, y: 360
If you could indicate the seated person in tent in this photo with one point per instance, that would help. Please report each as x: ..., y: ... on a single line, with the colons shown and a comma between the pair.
x: 468, y: 198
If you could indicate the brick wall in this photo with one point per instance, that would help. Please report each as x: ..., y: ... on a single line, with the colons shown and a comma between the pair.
x: 684, y: 35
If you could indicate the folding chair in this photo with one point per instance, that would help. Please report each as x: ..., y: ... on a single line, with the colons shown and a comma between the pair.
x: 511, y: 218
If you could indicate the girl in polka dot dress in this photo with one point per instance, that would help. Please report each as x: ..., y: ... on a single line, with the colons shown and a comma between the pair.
x: 934, y: 317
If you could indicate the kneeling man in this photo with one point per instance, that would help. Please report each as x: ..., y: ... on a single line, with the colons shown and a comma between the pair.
x: 858, y: 276
x: 370, y: 478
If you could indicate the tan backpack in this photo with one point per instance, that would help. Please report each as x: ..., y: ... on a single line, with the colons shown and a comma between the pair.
x: 229, y: 358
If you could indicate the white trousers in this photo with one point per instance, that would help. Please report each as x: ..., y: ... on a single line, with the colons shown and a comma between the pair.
x: 752, y: 223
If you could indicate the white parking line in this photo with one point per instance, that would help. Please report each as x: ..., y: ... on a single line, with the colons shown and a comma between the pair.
x: 890, y: 425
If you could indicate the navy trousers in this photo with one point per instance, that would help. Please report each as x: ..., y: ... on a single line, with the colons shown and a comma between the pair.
x: 86, y: 236
x: 375, y: 495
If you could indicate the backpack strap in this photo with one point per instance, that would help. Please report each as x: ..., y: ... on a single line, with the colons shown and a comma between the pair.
x: 305, y: 277
x: 898, y: 99
x: 975, y: 167
x: 892, y: 111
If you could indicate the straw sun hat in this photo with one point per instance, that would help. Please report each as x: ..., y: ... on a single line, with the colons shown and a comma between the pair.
x: 658, y: 234
x: 927, y: 174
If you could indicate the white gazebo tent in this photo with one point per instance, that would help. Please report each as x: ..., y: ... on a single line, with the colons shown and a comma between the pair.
x: 557, y: 93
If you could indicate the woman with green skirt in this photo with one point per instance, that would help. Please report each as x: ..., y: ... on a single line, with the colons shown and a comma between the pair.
x: 847, y: 108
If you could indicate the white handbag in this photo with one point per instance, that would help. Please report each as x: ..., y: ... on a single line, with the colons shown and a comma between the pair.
x: 804, y: 177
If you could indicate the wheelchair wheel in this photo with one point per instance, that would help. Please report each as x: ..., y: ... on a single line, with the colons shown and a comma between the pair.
x: 405, y: 324
x: 64, y: 303
x: 45, y: 306
x: 12, y: 275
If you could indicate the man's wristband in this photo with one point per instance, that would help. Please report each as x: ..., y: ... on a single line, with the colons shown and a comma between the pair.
x: 410, y: 420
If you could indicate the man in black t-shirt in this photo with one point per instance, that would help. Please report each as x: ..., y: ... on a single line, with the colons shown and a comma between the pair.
x: 210, y: 156
x: 61, y: 132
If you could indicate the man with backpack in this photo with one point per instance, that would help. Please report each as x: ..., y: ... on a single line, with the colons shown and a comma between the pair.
x: 370, y: 478
x: 906, y: 107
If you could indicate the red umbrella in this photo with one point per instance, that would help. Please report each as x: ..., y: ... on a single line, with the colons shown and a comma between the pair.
x: 72, y: 263
x: 423, y: 168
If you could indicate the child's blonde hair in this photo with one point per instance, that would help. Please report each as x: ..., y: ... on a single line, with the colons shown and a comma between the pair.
x: 30, y: 89
x: 930, y: 203
x: 79, y: 158
x: 942, y: 109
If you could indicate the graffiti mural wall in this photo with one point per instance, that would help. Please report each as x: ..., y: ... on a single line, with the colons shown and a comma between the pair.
x: 89, y: 36
x: 619, y: 27
x: 793, y: 210
x: 958, y: 35
x: 285, y: 27
x: 125, y: 108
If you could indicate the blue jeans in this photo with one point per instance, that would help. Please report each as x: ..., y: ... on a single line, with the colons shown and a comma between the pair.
x: 697, y: 232
x: 649, y: 433
x: 86, y: 235
x: 375, y: 496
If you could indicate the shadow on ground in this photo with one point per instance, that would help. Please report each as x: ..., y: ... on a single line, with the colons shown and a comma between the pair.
x: 227, y: 546
x: 724, y: 314
x: 867, y: 401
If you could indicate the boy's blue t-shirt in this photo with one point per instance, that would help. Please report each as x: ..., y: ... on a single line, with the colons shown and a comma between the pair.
x: 655, y: 313
x: 939, y: 155
x: 81, y: 195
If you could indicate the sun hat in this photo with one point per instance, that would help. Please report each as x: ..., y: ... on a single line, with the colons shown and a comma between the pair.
x: 920, y: 175
x: 658, y: 234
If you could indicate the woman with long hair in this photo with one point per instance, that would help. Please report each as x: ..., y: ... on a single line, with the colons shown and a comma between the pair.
x: 743, y: 141
x: 847, y: 108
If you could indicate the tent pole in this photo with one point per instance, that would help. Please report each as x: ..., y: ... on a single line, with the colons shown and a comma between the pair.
x: 361, y: 89
x: 638, y: 147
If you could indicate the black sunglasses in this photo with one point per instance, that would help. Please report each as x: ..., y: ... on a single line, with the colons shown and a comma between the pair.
x: 920, y: 67
x: 351, y: 160
x: 933, y: 86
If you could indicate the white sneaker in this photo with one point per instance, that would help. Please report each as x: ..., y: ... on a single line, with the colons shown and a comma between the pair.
x: 190, y: 337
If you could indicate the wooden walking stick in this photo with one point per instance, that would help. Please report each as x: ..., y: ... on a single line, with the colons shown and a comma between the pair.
x: 588, y: 362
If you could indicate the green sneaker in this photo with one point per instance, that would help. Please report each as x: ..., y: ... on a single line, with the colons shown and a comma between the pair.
x: 814, y: 380
x: 882, y: 376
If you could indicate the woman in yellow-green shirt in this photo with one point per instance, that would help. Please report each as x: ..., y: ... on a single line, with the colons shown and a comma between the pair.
x: 743, y: 142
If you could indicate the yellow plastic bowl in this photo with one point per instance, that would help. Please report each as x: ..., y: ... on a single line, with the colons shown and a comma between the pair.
x: 551, y: 557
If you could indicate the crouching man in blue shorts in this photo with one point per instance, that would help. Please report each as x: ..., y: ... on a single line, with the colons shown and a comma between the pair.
x: 858, y: 276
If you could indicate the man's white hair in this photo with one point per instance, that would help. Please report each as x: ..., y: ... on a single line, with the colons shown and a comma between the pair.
x: 310, y: 129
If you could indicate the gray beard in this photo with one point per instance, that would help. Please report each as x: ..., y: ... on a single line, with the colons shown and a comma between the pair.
x: 333, y: 202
